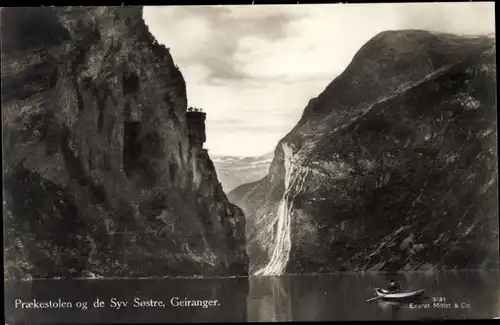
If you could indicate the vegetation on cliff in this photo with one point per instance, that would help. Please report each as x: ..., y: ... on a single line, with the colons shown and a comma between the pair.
x: 400, y: 155
x: 100, y: 175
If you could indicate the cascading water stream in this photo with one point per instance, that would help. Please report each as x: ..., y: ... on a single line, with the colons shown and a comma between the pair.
x: 294, y: 183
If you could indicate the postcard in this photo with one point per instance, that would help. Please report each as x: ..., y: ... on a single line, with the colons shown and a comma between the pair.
x: 250, y: 163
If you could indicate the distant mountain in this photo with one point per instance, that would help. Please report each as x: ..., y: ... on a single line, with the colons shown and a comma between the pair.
x: 393, y: 167
x: 234, y: 171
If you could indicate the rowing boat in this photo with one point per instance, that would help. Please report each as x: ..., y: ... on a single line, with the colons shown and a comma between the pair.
x: 400, y: 295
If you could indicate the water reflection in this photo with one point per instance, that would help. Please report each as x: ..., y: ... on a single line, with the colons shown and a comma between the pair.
x: 269, y: 300
x: 393, y: 307
x: 473, y: 295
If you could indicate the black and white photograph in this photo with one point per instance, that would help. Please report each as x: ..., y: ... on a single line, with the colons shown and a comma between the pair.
x: 250, y: 163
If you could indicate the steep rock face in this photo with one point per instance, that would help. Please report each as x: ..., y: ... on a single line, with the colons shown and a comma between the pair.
x: 100, y: 174
x: 392, y: 167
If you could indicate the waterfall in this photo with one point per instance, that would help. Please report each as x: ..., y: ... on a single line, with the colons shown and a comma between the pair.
x: 294, y: 183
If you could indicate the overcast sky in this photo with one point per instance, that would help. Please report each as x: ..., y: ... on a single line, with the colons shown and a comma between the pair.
x: 254, y: 68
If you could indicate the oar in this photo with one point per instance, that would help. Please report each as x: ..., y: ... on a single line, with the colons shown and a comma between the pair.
x: 377, y: 297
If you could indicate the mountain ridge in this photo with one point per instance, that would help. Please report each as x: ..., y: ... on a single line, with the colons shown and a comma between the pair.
x: 234, y: 171
x: 359, y: 138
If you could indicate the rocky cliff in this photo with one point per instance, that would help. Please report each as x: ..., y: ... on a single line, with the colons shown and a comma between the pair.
x: 393, y: 167
x: 100, y: 176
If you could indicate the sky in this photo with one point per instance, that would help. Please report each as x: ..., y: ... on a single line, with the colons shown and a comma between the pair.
x: 254, y: 68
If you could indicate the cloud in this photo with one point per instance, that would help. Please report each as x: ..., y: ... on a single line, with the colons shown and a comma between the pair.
x: 213, y: 35
x: 452, y: 17
x: 254, y: 68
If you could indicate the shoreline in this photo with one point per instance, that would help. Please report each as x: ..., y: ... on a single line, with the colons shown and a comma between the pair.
x: 345, y: 273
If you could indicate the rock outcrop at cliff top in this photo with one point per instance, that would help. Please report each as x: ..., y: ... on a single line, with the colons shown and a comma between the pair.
x: 392, y: 167
x: 100, y: 175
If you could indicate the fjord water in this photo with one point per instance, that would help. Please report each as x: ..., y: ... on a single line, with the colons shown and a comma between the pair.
x: 343, y: 297
x: 256, y: 299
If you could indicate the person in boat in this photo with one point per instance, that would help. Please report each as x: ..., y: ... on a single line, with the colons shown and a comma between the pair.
x: 393, y: 286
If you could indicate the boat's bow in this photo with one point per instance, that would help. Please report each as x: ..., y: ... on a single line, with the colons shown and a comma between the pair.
x: 385, y: 294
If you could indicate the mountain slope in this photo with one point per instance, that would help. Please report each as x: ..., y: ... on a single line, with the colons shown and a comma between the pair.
x: 99, y: 170
x: 392, y: 167
x: 235, y: 171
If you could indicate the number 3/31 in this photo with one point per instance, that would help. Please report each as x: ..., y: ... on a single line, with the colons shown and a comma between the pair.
x: 438, y: 299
